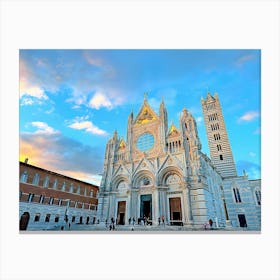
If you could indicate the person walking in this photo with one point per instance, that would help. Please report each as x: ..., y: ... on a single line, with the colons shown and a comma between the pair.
x: 159, y: 221
x: 162, y: 218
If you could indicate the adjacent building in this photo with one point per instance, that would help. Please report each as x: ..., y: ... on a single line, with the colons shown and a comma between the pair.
x: 48, y: 200
x: 159, y: 172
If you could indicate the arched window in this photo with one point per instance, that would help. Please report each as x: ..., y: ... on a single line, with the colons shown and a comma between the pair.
x: 46, y: 182
x: 36, y: 179
x: 55, y: 184
x: 63, y: 186
x: 78, y: 190
x: 258, y: 196
x: 24, y: 177
x: 237, y: 195
x: 71, y: 188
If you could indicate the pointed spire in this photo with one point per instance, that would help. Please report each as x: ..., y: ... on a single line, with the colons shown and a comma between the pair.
x: 115, y: 135
x: 145, y: 96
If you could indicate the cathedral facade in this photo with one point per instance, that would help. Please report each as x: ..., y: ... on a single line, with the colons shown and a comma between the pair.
x: 160, y: 173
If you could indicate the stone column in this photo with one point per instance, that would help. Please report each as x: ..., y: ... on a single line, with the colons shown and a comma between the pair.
x: 155, y: 201
x: 162, y: 202
x: 112, y: 205
x: 187, y: 205
x: 134, y: 203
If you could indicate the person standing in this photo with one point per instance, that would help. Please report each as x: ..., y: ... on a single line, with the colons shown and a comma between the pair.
x: 210, y: 224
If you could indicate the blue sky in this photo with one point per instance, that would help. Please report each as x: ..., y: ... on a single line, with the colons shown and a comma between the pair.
x: 71, y: 101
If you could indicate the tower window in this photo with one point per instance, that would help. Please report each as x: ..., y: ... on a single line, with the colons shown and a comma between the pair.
x: 258, y: 197
x: 221, y: 157
x: 237, y: 195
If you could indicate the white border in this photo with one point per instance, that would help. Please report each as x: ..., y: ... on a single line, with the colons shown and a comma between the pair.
x: 143, y: 24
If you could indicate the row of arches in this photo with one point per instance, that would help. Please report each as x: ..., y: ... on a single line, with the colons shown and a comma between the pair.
x: 145, y: 178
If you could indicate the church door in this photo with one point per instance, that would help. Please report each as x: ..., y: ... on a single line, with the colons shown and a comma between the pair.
x: 24, y: 219
x: 146, y: 206
x: 242, y: 220
x: 175, y: 211
x: 121, y: 212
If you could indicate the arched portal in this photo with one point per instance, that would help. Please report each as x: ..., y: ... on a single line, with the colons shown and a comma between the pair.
x: 24, y: 220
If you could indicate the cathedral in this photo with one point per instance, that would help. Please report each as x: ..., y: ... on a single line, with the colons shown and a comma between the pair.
x: 159, y: 173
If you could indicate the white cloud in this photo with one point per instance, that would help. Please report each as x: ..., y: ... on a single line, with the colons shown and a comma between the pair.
x: 100, y: 100
x: 26, y: 101
x: 249, y: 116
x: 199, y: 119
x: 43, y: 128
x: 88, y: 126
x: 26, y: 87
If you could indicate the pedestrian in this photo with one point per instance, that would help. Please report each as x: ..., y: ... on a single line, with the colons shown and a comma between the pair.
x: 106, y: 222
x: 69, y: 225
x: 158, y: 220
x: 129, y: 220
x: 62, y: 228
x: 210, y: 224
x: 162, y: 218
x: 110, y: 227
x: 133, y: 221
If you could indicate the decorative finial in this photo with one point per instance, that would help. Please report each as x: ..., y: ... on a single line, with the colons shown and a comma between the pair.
x: 145, y: 95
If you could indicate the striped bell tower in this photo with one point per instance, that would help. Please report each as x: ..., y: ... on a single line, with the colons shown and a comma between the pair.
x: 220, y: 150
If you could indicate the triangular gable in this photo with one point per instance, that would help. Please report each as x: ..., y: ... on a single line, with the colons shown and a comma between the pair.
x: 210, y: 97
x: 171, y: 161
x: 122, y: 145
x: 144, y: 164
x: 146, y: 114
x: 121, y: 170
x: 173, y: 131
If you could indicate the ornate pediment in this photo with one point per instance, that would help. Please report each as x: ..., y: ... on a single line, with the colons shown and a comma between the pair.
x: 145, y: 115
x: 122, y: 145
x: 173, y: 131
